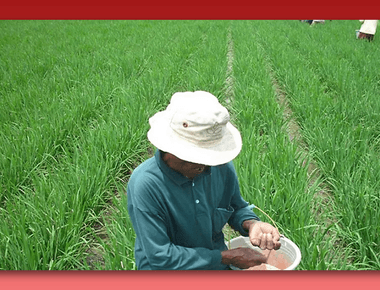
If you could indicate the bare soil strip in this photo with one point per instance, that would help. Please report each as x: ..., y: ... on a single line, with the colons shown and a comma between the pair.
x: 229, y: 84
x: 229, y: 95
x: 322, y: 198
x: 293, y: 130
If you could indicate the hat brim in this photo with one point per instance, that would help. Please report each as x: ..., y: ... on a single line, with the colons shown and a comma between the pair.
x: 164, y: 138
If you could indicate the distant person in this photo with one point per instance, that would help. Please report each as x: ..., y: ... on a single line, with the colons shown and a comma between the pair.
x: 317, y: 21
x: 313, y: 22
x: 368, y: 29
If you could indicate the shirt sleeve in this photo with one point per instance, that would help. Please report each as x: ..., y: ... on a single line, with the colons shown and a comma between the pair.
x: 164, y: 255
x: 241, y: 210
x: 150, y: 225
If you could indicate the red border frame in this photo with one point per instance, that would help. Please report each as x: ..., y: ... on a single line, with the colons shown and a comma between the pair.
x: 197, y: 9
x: 189, y: 280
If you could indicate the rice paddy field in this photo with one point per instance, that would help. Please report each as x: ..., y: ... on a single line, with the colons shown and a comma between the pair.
x: 75, y: 100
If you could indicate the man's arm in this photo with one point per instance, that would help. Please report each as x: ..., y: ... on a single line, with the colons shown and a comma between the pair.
x: 242, y: 258
x: 248, y: 223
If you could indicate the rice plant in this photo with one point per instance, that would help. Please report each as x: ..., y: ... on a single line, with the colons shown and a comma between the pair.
x: 77, y: 95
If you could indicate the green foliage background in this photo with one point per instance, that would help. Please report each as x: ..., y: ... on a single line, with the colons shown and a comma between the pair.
x: 77, y: 96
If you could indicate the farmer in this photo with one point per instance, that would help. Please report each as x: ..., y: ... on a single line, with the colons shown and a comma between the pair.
x: 368, y: 29
x: 180, y: 199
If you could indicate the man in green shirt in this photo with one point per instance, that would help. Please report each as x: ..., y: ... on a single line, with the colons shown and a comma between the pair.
x: 180, y: 199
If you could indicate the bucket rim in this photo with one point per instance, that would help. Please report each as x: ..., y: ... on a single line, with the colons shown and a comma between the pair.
x: 284, y: 239
x: 298, y: 253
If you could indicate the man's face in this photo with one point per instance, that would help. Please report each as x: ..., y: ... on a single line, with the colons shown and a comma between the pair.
x: 188, y: 169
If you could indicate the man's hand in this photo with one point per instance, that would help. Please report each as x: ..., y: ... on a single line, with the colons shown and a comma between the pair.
x: 243, y: 258
x: 263, y: 235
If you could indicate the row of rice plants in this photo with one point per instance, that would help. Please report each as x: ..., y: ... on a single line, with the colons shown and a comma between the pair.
x: 333, y: 95
x: 354, y: 84
x: 272, y: 171
x: 201, y: 66
x: 78, y: 95
x: 64, y: 138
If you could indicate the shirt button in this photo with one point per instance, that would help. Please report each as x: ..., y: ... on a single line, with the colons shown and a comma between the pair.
x: 197, y: 201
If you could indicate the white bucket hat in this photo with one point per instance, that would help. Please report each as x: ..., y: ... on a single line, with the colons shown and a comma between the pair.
x: 196, y: 128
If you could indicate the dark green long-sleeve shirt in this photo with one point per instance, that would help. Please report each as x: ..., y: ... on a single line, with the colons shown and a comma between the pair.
x: 178, y: 221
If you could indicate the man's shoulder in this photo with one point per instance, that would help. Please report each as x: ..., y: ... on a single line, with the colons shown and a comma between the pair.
x: 148, y: 167
x: 143, y: 179
x: 227, y: 167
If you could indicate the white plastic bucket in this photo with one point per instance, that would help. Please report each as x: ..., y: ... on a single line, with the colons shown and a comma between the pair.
x: 288, y: 249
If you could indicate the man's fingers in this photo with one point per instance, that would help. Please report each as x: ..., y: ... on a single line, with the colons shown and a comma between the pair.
x: 269, y: 245
x: 265, y: 236
x: 276, y: 235
x: 256, y: 241
x: 263, y: 241
x: 276, y: 239
x: 260, y: 258
x: 277, y: 245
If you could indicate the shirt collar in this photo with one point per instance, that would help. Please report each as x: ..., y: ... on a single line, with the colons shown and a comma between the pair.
x: 175, y: 176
